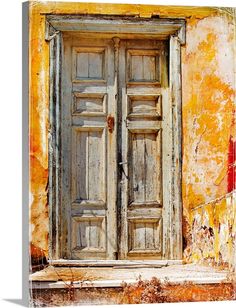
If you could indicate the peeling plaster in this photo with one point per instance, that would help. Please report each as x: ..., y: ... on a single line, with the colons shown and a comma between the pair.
x: 213, y: 238
x: 207, y: 108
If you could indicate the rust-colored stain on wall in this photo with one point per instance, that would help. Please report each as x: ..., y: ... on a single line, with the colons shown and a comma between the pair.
x: 208, y: 120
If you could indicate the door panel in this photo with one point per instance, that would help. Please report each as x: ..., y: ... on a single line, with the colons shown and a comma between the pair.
x: 145, y: 236
x: 144, y: 168
x: 89, y: 63
x: 88, y: 160
x: 89, y: 149
x: 142, y: 63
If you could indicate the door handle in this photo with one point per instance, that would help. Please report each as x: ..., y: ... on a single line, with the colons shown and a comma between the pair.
x: 110, y: 123
x: 121, y: 163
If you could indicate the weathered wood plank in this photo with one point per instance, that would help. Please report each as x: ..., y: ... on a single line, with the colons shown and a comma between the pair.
x: 124, y: 157
x: 93, y: 233
x: 161, y: 28
x: 141, y: 149
x: 176, y: 207
x: 66, y: 150
x: 96, y: 63
x: 82, y: 65
x: 54, y: 188
x: 111, y: 263
x: 112, y: 108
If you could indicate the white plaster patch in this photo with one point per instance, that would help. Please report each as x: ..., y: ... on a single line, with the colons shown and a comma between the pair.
x: 220, y: 26
x: 31, y: 199
x: 199, y: 32
x: 42, y: 112
x: 224, y: 236
x: 205, y: 168
x: 32, y: 227
x: 206, y: 219
x: 225, y: 56
x: 220, y: 120
x: 197, y: 218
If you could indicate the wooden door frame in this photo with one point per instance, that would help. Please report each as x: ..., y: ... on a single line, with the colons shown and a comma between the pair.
x: 164, y: 29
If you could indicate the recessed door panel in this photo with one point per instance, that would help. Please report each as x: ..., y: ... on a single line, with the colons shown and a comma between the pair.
x: 88, y: 152
x: 144, y: 168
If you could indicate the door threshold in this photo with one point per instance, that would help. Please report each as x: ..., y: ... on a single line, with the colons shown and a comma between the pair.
x: 115, y: 263
x: 64, y: 276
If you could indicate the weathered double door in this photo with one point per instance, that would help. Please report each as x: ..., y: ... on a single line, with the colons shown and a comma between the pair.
x: 114, y: 117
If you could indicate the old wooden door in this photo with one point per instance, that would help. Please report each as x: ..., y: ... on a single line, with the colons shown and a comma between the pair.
x: 142, y: 83
x: 113, y: 123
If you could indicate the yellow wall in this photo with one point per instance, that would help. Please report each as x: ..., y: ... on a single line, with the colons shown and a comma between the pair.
x: 208, y: 129
x: 208, y: 133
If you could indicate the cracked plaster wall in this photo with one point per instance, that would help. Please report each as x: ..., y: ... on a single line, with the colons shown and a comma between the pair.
x: 209, y: 134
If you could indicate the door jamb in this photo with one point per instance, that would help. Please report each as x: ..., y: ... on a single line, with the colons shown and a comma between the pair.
x: 174, y: 29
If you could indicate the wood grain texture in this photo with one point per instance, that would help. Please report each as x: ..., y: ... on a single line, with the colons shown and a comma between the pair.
x: 159, y: 28
x: 88, y: 160
x: 176, y: 98
x: 141, y: 182
x: 89, y: 64
x: 144, y: 167
x: 143, y: 65
x: 88, y: 149
x: 54, y: 188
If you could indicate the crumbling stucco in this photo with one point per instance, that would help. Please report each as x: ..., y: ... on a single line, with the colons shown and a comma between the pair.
x: 213, y: 232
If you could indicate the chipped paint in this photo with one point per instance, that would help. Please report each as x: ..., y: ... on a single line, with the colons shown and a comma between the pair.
x: 213, y: 234
x: 209, y: 132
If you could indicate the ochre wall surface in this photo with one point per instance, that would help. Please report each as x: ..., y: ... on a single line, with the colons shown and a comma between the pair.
x: 209, y: 132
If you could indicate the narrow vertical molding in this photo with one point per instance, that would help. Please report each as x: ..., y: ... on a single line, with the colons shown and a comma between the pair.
x: 122, y: 156
x: 58, y: 40
x: 176, y: 99
x: 166, y: 159
x: 116, y: 41
x: 112, y: 245
x: 54, y: 144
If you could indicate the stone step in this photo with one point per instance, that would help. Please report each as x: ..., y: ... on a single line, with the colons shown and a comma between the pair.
x: 58, y: 285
